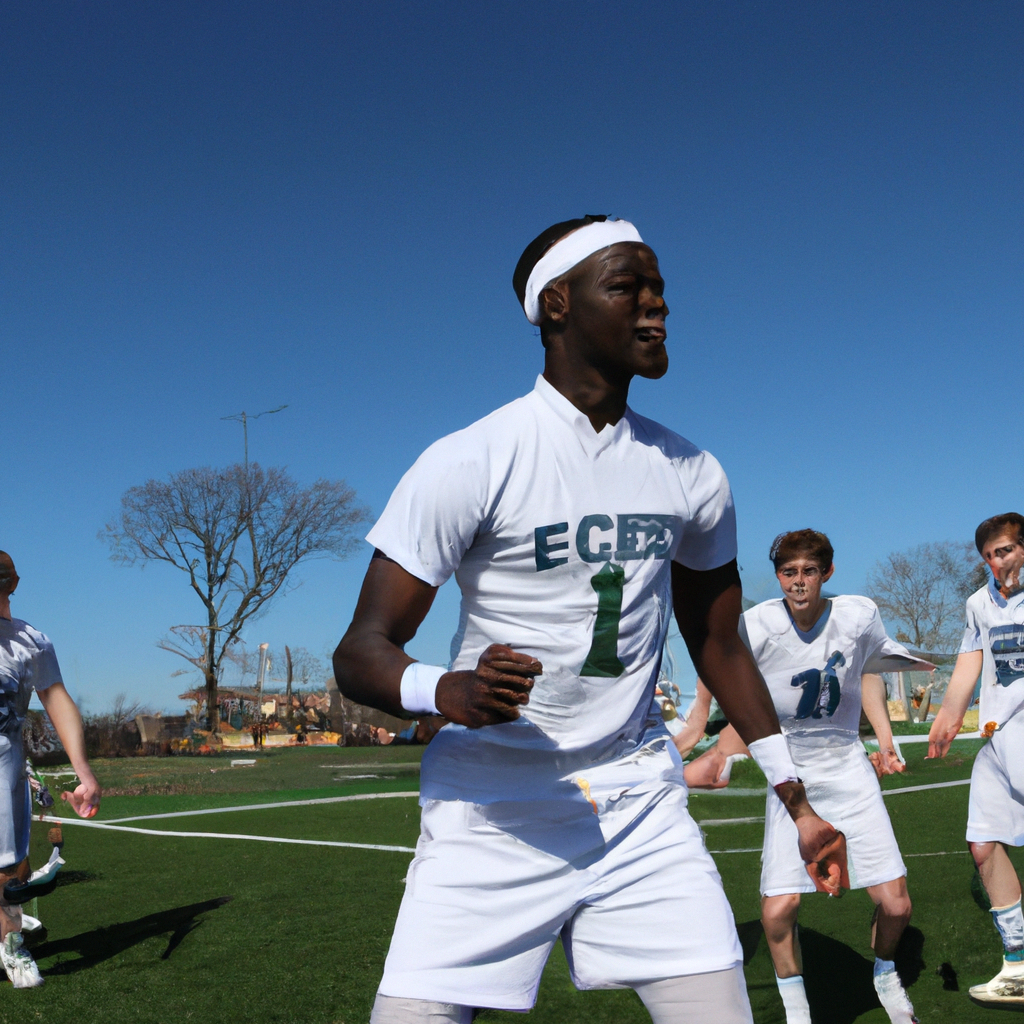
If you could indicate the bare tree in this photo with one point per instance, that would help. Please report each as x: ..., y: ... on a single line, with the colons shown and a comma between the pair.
x: 922, y: 592
x: 237, y: 533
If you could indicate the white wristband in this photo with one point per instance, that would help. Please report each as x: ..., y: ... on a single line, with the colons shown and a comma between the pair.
x: 419, y: 684
x: 772, y: 756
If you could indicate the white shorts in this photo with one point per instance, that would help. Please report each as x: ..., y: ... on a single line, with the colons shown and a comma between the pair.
x: 15, y: 803
x: 843, y: 789
x: 995, y: 813
x: 635, y: 897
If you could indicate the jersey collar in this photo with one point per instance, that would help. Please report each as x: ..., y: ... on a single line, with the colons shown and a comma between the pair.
x: 593, y: 442
x: 997, y: 598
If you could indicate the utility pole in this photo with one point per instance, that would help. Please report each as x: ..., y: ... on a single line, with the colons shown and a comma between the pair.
x: 264, y: 662
x: 243, y: 417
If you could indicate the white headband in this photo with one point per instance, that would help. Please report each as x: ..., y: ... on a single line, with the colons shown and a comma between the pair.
x: 573, y: 248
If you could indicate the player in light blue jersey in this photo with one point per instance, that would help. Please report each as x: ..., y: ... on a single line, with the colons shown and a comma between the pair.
x: 993, y: 647
x: 27, y: 662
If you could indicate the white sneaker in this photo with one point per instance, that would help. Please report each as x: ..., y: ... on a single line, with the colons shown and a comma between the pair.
x: 18, y: 962
x: 1005, y: 989
x: 894, y: 998
x: 30, y: 923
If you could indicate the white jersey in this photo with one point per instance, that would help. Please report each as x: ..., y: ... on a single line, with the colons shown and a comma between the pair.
x: 561, y: 540
x: 995, y: 626
x: 27, y: 662
x: 814, y: 677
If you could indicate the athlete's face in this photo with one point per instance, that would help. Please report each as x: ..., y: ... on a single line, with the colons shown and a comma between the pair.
x: 8, y: 575
x: 801, y: 581
x: 1005, y: 557
x: 617, y: 311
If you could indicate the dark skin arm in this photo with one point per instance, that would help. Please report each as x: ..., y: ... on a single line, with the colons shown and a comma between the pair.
x: 370, y: 660
x: 707, y: 607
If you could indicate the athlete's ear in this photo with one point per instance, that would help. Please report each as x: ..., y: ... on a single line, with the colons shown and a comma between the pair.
x: 554, y: 301
x: 826, y: 576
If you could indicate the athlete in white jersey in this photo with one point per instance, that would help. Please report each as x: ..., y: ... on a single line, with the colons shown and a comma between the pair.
x: 993, y: 647
x: 27, y: 662
x: 813, y: 652
x: 554, y: 804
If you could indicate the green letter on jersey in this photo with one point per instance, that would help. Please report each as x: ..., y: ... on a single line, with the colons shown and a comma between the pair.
x: 603, y: 659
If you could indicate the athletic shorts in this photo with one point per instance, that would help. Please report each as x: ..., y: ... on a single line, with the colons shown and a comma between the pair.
x: 633, y: 893
x: 15, y: 803
x: 996, y: 809
x: 843, y: 789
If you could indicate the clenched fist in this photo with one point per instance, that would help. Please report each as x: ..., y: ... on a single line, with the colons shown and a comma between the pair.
x: 492, y: 693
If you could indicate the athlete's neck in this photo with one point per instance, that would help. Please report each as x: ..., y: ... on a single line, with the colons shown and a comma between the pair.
x: 600, y: 400
x: 806, y: 617
x: 5, y: 606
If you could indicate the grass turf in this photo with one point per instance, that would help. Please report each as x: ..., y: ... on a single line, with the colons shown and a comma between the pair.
x: 167, y: 928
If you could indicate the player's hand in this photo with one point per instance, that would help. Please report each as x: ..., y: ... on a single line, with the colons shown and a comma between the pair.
x: 705, y: 772
x: 885, y: 761
x: 85, y: 799
x: 491, y: 694
x: 828, y: 871
x: 941, y: 735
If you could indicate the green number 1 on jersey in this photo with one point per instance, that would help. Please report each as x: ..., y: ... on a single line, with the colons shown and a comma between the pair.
x: 603, y: 659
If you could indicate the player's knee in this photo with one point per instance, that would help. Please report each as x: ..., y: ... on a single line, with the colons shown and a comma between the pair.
x: 898, y: 908
x: 779, y: 911
x: 396, y: 1010
x: 716, y: 998
x: 981, y: 852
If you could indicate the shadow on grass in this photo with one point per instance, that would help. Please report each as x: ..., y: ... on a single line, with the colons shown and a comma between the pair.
x: 838, y: 980
x: 102, y: 943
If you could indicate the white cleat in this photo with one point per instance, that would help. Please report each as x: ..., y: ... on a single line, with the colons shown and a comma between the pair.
x: 1005, y: 989
x: 30, y: 923
x: 18, y: 962
x: 894, y: 998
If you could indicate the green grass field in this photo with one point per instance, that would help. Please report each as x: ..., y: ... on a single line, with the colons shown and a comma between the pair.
x: 162, y: 928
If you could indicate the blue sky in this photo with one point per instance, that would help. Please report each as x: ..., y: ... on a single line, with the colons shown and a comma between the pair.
x: 217, y: 207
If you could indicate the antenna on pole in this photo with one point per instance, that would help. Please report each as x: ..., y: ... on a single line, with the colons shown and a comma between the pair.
x: 243, y: 417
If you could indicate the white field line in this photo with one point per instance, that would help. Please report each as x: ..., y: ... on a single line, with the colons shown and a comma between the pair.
x: 117, y: 824
x: 923, y: 738
x: 941, y: 853
x: 260, y: 807
x: 731, y: 821
x: 222, y: 835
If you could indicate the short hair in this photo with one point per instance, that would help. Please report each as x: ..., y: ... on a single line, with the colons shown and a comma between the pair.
x: 812, y: 544
x: 540, y: 245
x: 7, y: 572
x: 996, y: 525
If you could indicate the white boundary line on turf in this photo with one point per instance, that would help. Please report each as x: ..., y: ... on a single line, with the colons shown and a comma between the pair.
x: 222, y: 835
x: 260, y: 807
x: 931, y: 785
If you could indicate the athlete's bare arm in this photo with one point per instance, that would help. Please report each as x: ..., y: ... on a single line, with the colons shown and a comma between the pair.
x: 707, y: 607
x: 696, y: 723
x: 370, y: 660
x: 872, y: 694
x: 950, y: 716
x: 63, y: 712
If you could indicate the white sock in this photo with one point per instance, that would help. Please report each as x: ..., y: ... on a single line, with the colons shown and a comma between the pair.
x: 794, y: 999
x: 891, y: 993
x: 1009, y: 922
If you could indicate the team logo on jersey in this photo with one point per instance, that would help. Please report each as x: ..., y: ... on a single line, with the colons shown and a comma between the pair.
x: 821, y: 694
x: 600, y: 538
x: 1008, y: 652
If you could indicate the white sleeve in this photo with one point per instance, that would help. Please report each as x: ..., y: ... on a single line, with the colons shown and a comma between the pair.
x: 709, y: 536
x: 885, y: 655
x: 43, y: 669
x: 972, y: 633
x: 435, y: 511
